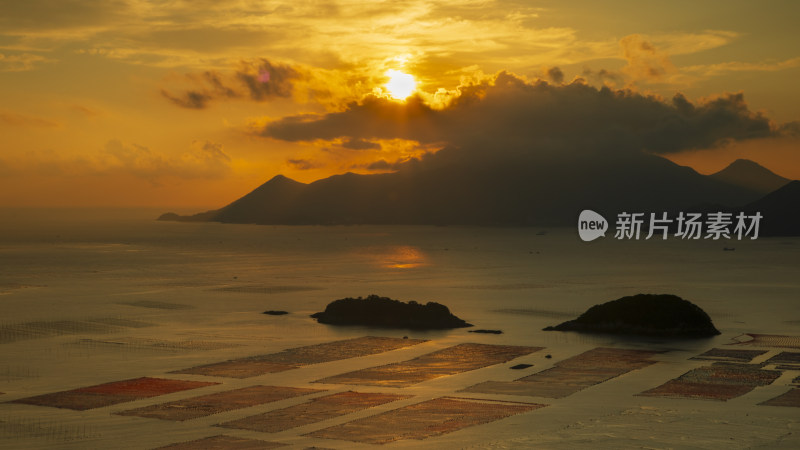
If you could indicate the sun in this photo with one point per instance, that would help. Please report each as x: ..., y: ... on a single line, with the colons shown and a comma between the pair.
x: 400, y: 84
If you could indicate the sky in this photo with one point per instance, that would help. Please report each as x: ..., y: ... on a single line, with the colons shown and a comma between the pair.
x: 178, y: 103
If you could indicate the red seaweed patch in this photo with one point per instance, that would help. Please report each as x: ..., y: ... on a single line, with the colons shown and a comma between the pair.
x: 789, y: 398
x: 571, y: 375
x: 301, y: 356
x: 729, y: 355
x: 206, y: 405
x: 316, y: 410
x: 770, y: 340
x: 448, y: 361
x: 112, y: 393
x: 223, y: 442
x: 785, y: 361
x: 423, y: 420
x: 718, y: 382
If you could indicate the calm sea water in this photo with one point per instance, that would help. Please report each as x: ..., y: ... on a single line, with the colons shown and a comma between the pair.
x: 67, y: 264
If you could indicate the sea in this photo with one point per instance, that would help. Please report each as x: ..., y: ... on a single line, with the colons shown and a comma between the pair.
x: 88, y: 295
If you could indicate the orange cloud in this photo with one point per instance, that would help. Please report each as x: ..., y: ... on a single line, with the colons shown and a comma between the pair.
x: 645, y: 62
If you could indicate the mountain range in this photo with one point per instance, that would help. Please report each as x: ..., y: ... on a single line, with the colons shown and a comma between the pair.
x: 523, y: 192
x: 780, y: 211
x: 751, y: 175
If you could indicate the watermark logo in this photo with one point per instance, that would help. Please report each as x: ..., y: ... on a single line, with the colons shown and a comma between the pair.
x: 591, y: 225
x: 633, y: 226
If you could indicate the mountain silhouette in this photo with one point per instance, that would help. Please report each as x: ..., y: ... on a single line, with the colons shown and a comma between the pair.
x: 751, y: 175
x: 501, y: 191
x: 779, y: 211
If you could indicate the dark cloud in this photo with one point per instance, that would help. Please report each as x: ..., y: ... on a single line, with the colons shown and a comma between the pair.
x: 265, y: 80
x: 215, y: 80
x: 508, y: 115
x: 603, y: 76
x: 373, y: 118
x: 189, y: 99
x: 260, y: 80
x: 303, y: 164
x: 790, y: 129
x: 382, y: 165
x: 360, y: 144
x: 555, y: 75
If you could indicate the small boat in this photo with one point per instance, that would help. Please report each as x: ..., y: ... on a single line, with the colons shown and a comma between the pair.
x: 728, y: 249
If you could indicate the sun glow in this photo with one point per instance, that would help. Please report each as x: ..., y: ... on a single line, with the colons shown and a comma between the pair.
x: 400, y: 84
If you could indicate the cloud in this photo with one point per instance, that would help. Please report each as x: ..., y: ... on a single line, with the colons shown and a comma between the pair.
x: 603, y: 77
x: 86, y: 111
x: 645, y: 62
x: 360, y: 144
x: 506, y: 115
x: 709, y: 70
x: 383, y: 165
x: 203, y: 160
x: 23, y: 120
x: 214, y: 79
x: 205, y: 34
x: 265, y: 80
x: 207, y: 86
x: 790, y: 129
x: 691, y: 42
x: 304, y: 164
x: 373, y: 118
x: 21, y: 62
x: 189, y: 99
x: 33, y: 16
x: 260, y: 80
x: 555, y: 75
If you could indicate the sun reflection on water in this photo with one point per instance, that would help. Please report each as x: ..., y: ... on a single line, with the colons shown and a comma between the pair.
x: 401, y: 257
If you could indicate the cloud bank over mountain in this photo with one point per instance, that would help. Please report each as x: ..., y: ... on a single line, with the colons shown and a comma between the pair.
x: 505, y: 115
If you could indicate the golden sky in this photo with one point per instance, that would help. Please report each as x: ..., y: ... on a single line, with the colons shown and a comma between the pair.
x: 194, y: 103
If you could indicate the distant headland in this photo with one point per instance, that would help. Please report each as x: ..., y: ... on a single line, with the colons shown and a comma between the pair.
x: 524, y: 193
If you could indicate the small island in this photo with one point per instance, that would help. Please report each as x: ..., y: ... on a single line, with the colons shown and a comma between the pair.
x: 388, y: 313
x: 662, y: 315
x: 272, y: 312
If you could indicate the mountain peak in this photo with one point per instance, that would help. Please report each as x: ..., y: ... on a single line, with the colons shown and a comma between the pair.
x: 750, y: 174
x: 745, y: 164
x: 779, y: 210
x: 279, y: 179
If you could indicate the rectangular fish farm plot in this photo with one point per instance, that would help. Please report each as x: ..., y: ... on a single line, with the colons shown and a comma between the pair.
x: 295, y: 357
x: 718, y: 382
x: 112, y: 393
x: 571, y: 375
x: 729, y: 355
x: 785, y: 361
x: 206, y: 405
x: 789, y: 398
x: 316, y: 410
x: 223, y: 442
x: 448, y: 361
x: 423, y: 420
x: 771, y: 340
